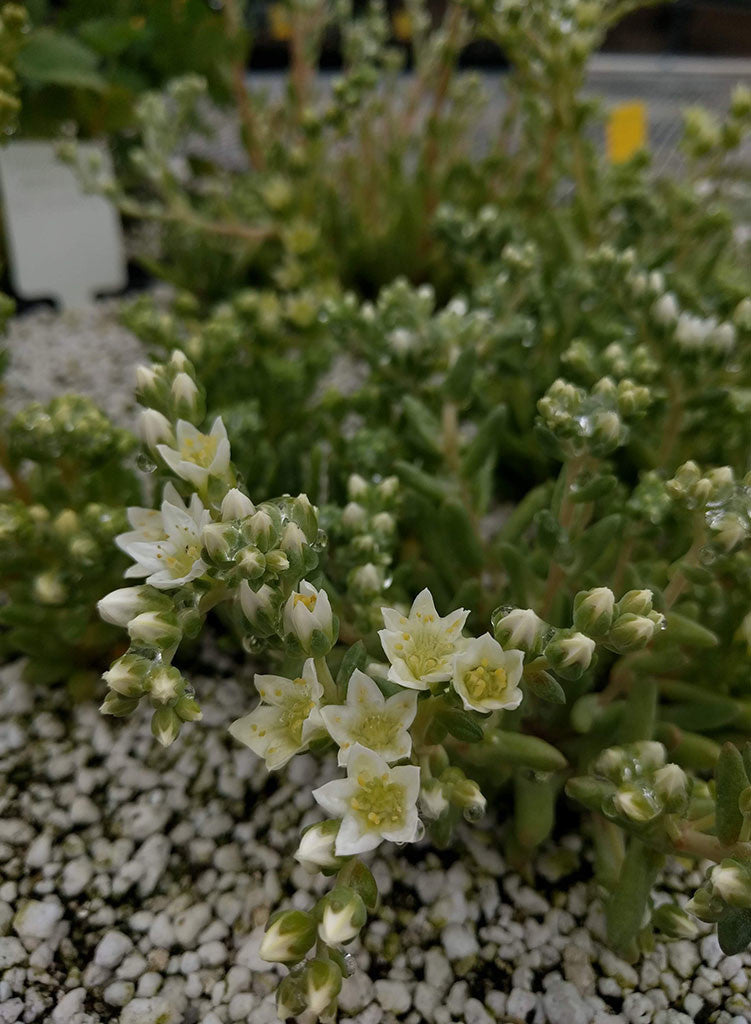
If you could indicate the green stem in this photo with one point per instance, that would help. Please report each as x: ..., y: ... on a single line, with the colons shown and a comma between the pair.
x: 330, y: 690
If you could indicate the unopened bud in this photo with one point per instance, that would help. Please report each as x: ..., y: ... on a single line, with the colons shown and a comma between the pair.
x: 157, y: 629
x: 636, y: 803
x: 357, y: 487
x: 731, y: 881
x: 217, y: 540
x: 520, y: 629
x: 367, y: 579
x: 251, y: 562
x: 288, y: 937
x: 236, y: 505
x: 119, y: 607
x: 671, y: 787
x: 342, y: 915
x: 165, y: 725
x: 154, y: 429
x: 673, y: 921
x: 636, y: 602
x: 164, y: 684
x: 354, y: 516
x: 631, y: 632
x: 126, y: 675
x: 570, y: 653
x: 323, y: 982
x: 593, y: 611
x: 316, y: 849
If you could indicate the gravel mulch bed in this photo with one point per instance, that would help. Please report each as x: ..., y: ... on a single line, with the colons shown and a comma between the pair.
x: 135, y: 882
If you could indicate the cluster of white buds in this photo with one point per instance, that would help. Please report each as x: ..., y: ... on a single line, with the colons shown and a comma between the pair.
x: 593, y: 421
x: 634, y: 785
x: 724, y: 500
x: 726, y: 887
x: 368, y: 528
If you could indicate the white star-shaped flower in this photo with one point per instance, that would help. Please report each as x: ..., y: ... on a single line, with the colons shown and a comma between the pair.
x: 287, y: 718
x: 486, y: 677
x: 375, y: 802
x: 165, y: 543
x: 198, y: 456
x: 371, y: 720
x: 421, y: 646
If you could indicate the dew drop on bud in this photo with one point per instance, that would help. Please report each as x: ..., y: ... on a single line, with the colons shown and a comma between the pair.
x: 145, y: 462
x: 321, y: 542
x: 350, y: 964
x: 707, y: 555
x: 473, y: 813
x: 252, y: 645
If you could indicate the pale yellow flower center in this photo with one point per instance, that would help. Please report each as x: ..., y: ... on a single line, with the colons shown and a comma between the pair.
x: 293, y: 715
x: 377, y: 730
x: 378, y: 803
x: 425, y: 651
x: 486, y: 683
x: 309, y: 600
x: 200, y: 451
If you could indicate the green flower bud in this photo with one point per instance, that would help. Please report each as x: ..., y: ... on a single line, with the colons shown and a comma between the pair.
x: 323, y: 982
x: 188, y: 709
x: 164, y: 684
x: 671, y: 788
x: 673, y: 921
x: 260, y: 607
x: 731, y: 881
x: 291, y: 996
x: 637, y: 803
x: 218, y: 541
x: 236, y: 505
x: 367, y: 579
x: 316, y: 849
x: 706, y: 906
x: 354, y: 516
x: 467, y: 796
x: 305, y: 516
x: 276, y: 561
x: 635, y: 602
x: 126, y: 675
x: 123, y: 605
x: 251, y: 562
x: 118, y: 705
x: 288, y: 937
x: 157, y: 629
x: 342, y: 914
x: 593, y: 611
x: 520, y: 629
x: 630, y: 633
x: 570, y: 653
x: 154, y: 428
x: 165, y: 725
x: 186, y: 397
x: 261, y: 529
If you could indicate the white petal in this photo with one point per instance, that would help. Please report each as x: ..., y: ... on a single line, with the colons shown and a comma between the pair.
x: 393, y: 619
x: 361, y: 690
x: 353, y: 839
x: 335, y: 796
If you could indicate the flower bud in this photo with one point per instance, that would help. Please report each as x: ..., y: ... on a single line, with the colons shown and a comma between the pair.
x: 323, y: 982
x: 148, y: 381
x: 520, y: 629
x: 367, y: 579
x: 291, y: 997
x: 309, y: 619
x: 467, y: 796
x: 732, y: 883
x: 637, y: 803
x: 570, y: 653
x: 673, y: 921
x: 122, y: 605
x: 188, y: 709
x: 354, y: 516
x: 66, y: 523
x: 671, y: 787
x: 164, y: 684
x: 316, y: 849
x: 277, y: 561
x: 259, y: 606
x: 613, y: 763
x: 293, y: 540
x: 236, y: 505
x: 218, y: 540
x: 165, y: 725
x: 127, y: 674
x: 357, y: 487
x: 118, y: 704
x: 49, y: 588
x: 157, y: 629
x: 433, y: 800
x: 186, y: 397
x: 251, y: 562
x: 342, y: 915
x: 288, y: 937
x: 305, y: 516
x: 383, y: 522
x: 631, y: 633
x: 636, y: 602
x: 706, y: 906
x: 154, y: 429
x: 260, y: 529
x: 593, y: 611
x: 666, y: 310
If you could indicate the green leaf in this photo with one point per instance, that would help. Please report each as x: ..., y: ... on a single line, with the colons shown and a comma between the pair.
x: 461, y: 724
x: 459, y: 378
x: 357, y: 876
x: 730, y: 780
x: 682, y: 630
x: 356, y: 657
x: 111, y: 36
x: 546, y: 687
x: 702, y: 715
x: 421, y: 423
x: 534, y: 808
x: 734, y: 930
x: 518, y: 748
x: 624, y: 911
x: 52, y: 58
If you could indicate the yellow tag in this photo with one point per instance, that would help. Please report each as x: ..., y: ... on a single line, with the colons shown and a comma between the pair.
x: 402, y: 25
x: 626, y: 131
x: 279, y: 25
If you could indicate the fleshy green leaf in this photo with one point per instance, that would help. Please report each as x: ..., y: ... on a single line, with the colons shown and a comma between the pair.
x: 52, y: 58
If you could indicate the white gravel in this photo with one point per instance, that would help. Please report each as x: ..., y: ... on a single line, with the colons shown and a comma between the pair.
x: 186, y: 851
